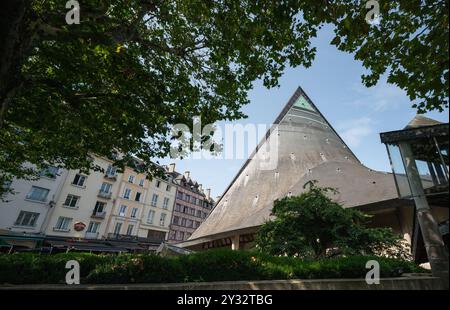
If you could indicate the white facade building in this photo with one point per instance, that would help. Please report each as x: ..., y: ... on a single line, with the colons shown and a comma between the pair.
x: 27, y: 210
x: 85, y: 201
x: 158, y: 208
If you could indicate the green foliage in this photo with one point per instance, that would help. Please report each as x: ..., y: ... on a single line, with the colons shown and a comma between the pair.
x: 312, y: 225
x: 212, y: 265
x: 410, y: 45
x: 40, y: 268
x: 131, y: 69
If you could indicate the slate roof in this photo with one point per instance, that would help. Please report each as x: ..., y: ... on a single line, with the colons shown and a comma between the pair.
x: 308, y: 148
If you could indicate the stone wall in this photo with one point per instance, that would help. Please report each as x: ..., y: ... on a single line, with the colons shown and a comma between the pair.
x: 415, y: 282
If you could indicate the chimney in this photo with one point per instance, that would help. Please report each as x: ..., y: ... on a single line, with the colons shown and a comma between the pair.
x: 208, y: 193
x: 187, y: 174
x: 200, y: 187
x: 171, y: 167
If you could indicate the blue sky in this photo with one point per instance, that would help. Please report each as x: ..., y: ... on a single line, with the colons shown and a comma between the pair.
x: 333, y: 83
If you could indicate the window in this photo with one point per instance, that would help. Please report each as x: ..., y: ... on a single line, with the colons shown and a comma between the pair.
x: 117, y: 228
x: 111, y: 171
x: 180, y: 235
x: 122, y: 210
x: 162, y: 219
x: 199, y: 213
x: 133, y: 213
x: 178, y: 207
x: 172, y: 235
x: 79, y: 180
x: 93, y: 227
x: 131, y: 178
x: 141, y: 182
x: 154, y: 200
x: 71, y: 201
x: 127, y: 193
x: 138, y: 196
x: 165, y: 203
x: 99, y: 207
x: 179, y: 195
x: 183, y: 222
x: 151, y: 216
x: 175, y: 220
x: 50, y: 172
x: 197, y: 224
x: 63, y: 223
x: 105, y: 188
x: 168, y: 188
x: 189, y: 223
x: 26, y: 219
x: 38, y: 193
x: 193, y: 200
x: 192, y: 211
x: 187, y: 197
x: 130, y: 230
x: 158, y: 183
x: 186, y: 210
x: 204, y: 215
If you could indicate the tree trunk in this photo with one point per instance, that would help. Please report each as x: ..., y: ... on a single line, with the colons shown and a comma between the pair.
x: 16, y: 31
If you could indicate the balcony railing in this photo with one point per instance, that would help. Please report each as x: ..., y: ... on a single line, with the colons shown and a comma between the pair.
x: 30, y: 197
x: 60, y: 229
x: 112, y: 177
x: 105, y: 195
x: 98, y: 215
x: 91, y: 235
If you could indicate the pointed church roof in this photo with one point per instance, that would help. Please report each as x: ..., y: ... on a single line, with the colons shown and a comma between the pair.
x: 307, y: 148
x: 421, y: 121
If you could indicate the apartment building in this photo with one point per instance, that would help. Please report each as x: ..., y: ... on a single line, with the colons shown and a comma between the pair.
x: 158, y: 209
x: 128, y: 206
x: 104, y: 211
x: 192, y: 205
x: 27, y: 209
x: 84, y: 203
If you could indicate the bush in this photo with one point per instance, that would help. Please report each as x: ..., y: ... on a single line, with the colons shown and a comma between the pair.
x: 312, y: 224
x: 35, y: 268
x: 212, y: 265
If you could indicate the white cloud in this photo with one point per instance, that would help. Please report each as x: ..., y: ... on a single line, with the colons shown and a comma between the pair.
x: 354, y: 131
x: 379, y: 98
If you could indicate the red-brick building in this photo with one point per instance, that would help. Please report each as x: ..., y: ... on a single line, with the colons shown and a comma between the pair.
x: 192, y: 206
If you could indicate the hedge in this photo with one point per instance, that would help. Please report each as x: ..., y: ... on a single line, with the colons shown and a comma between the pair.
x: 212, y: 265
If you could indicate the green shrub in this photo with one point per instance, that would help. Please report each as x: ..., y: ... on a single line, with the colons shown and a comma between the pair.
x: 212, y: 265
x: 35, y: 268
x: 309, y: 225
x: 137, y: 268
